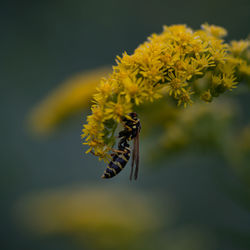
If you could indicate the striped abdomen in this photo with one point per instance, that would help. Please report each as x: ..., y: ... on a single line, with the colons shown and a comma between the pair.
x: 118, y: 162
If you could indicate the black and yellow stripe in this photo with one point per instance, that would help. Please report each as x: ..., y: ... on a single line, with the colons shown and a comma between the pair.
x: 131, y: 127
x: 118, y: 162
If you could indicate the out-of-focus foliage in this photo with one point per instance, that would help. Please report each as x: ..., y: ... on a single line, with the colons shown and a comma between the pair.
x: 203, y: 126
x: 71, y: 96
x: 185, y: 238
x: 243, y: 142
x: 213, y: 128
x: 100, y: 218
x: 239, y: 153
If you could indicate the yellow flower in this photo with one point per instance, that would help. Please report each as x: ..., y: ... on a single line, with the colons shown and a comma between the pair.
x: 192, y: 68
x: 117, y: 110
x: 133, y: 90
x: 152, y: 94
x: 216, y: 80
x: 244, y: 69
x: 185, y: 98
x: 218, y: 51
x: 214, y: 30
x: 104, y: 90
x: 229, y: 81
x: 204, y: 61
x: 176, y: 85
x: 238, y: 47
x: 206, y: 96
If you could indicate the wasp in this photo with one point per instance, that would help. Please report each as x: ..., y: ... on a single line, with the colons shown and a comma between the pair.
x: 132, y: 128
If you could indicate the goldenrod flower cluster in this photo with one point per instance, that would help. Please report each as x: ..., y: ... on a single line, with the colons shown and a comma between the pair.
x: 180, y: 64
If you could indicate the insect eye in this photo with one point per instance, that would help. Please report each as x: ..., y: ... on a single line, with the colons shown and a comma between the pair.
x: 133, y: 115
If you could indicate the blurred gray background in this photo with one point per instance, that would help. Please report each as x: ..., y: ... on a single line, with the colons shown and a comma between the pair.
x: 44, y: 42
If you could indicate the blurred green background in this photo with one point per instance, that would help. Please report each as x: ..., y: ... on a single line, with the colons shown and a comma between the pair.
x: 44, y: 42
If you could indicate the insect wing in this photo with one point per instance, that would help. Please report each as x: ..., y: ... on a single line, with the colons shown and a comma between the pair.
x: 133, y: 162
x: 136, y: 149
x: 135, y: 157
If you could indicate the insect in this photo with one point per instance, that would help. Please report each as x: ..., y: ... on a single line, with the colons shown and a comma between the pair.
x: 132, y: 127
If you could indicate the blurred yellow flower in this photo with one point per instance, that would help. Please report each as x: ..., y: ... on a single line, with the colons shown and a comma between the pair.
x: 214, y: 30
x: 201, y: 124
x: 238, y: 47
x: 103, y: 218
x: 72, y: 95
